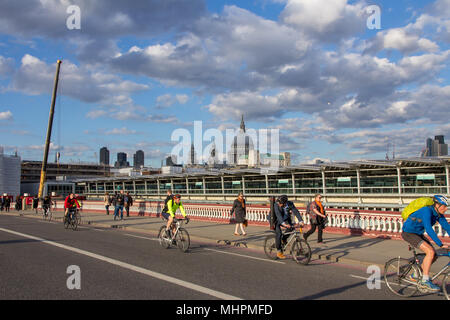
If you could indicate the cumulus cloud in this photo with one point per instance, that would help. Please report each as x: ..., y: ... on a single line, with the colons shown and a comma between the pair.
x: 168, y: 100
x: 6, y: 66
x: 35, y: 76
x: 120, y: 131
x: 6, y: 115
x: 101, y: 21
x: 326, y: 20
x: 402, y: 40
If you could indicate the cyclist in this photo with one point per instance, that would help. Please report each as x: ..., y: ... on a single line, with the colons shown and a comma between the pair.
x: 47, y: 204
x: 413, y: 232
x: 283, y: 211
x: 70, y: 204
x: 172, y: 205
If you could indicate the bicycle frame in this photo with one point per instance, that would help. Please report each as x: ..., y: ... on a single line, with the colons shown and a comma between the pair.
x: 292, y: 235
x: 177, y: 228
x: 443, y: 270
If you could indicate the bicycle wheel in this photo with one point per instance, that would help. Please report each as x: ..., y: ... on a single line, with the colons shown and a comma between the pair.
x: 397, y: 275
x: 66, y: 221
x: 270, y: 249
x: 446, y: 286
x: 301, y: 251
x: 163, y: 240
x: 76, y: 220
x: 183, y: 240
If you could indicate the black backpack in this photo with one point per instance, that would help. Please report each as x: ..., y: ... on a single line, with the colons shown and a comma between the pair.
x: 272, y: 217
x: 165, y: 202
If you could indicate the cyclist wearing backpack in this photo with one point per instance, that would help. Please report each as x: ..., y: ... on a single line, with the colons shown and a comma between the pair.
x: 283, y: 209
x: 173, y: 204
x: 413, y: 232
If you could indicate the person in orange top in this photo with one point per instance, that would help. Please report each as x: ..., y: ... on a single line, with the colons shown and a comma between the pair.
x: 317, y: 217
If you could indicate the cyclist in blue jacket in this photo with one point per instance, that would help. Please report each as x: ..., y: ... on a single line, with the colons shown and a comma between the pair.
x: 283, y: 210
x: 413, y: 232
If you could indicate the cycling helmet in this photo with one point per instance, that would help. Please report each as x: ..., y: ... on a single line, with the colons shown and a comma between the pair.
x: 282, y: 199
x: 441, y: 200
x: 177, y: 196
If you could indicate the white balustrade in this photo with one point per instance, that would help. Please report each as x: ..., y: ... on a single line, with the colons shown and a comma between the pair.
x: 388, y: 222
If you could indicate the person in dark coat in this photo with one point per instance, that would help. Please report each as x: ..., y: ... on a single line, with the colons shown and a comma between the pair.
x: 128, y: 202
x: 7, y: 203
x: 239, y: 211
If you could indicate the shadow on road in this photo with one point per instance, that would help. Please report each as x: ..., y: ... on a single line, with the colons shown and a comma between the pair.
x: 332, y: 291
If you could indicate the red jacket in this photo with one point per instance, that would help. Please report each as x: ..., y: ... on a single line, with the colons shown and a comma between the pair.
x: 71, y: 203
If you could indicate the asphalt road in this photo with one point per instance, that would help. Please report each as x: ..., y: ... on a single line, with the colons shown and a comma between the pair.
x: 118, y: 265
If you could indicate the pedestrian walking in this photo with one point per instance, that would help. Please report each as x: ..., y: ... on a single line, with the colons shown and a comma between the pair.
x: 128, y: 202
x: 107, y: 202
x: 239, y: 211
x: 317, y: 216
x: 18, y: 203
x: 119, y: 205
x: 35, y: 204
x: 7, y: 203
x: 2, y: 203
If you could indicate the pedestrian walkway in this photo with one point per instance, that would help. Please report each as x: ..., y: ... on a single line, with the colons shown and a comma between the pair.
x: 340, y: 248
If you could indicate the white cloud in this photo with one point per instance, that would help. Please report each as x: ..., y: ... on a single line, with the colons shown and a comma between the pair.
x: 35, y: 76
x: 328, y: 20
x: 402, y: 40
x: 120, y: 131
x: 6, y: 115
x: 167, y: 100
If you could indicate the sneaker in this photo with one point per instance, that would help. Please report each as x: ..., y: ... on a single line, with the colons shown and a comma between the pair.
x: 430, y: 286
x: 280, y: 255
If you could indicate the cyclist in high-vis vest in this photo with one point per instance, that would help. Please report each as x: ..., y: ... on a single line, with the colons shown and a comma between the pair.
x: 413, y: 232
x: 172, y: 206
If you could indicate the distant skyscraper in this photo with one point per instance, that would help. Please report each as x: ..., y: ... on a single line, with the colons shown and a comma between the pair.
x: 138, y: 159
x: 436, y: 147
x: 104, y: 156
x: 121, y: 160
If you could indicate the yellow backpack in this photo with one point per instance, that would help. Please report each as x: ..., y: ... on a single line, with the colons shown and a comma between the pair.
x: 416, y: 205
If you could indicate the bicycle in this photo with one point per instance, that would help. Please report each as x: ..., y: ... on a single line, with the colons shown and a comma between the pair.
x: 300, y: 249
x: 72, y: 219
x: 46, y: 212
x: 398, y: 275
x: 179, y: 237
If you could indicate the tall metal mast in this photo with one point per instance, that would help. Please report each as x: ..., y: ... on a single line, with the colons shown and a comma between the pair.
x: 49, y: 131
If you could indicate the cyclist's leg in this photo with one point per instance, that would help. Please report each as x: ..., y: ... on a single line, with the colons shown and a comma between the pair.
x: 168, y: 218
x: 278, y: 235
x: 430, y: 256
x: 310, y: 232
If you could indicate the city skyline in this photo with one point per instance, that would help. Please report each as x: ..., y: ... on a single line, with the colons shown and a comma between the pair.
x: 335, y: 88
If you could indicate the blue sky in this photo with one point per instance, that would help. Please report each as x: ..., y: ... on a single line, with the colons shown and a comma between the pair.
x: 136, y: 71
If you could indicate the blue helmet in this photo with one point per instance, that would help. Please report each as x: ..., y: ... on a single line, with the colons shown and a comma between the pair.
x: 441, y: 200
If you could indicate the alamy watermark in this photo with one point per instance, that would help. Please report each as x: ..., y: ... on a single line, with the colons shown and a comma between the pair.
x: 73, y: 21
x: 374, y: 280
x: 74, y: 280
x: 374, y: 20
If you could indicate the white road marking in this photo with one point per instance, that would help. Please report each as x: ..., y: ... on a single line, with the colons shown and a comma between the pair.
x: 235, y: 254
x: 241, y: 255
x: 131, y: 235
x: 147, y: 272
x: 363, y: 278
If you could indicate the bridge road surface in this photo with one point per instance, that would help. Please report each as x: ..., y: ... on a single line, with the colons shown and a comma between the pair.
x: 120, y: 265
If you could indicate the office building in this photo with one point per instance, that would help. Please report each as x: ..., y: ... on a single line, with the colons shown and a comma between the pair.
x: 104, y: 156
x: 138, y: 159
x: 121, y: 160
